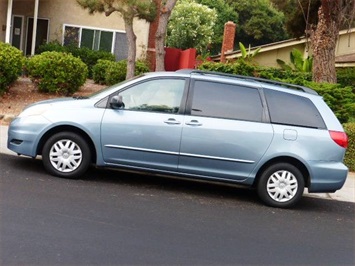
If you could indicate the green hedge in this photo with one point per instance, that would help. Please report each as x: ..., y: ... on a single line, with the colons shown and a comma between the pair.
x: 54, y: 46
x: 99, y: 71
x: 57, y: 72
x: 11, y: 61
x: 346, y: 76
x: 289, y: 76
x: 340, y: 99
x: 116, y: 72
x: 88, y: 56
x: 240, y: 68
x: 109, y: 73
x: 350, y: 152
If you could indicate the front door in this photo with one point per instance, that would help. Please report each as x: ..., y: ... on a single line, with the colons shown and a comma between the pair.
x: 146, y: 132
x: 17, y: 32
x: 42, y: 33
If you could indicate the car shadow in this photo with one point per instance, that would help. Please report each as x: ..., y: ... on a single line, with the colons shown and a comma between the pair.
x: 33, y: 168
x: 174, y: 184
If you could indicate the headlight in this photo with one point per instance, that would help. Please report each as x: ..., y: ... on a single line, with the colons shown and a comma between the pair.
x: 34, y: 110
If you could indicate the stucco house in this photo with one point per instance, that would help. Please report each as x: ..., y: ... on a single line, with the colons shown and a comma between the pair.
x: 269, y: 53
x: 28, y: 23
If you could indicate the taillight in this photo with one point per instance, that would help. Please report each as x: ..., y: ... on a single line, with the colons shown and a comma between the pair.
x: 340, y: 138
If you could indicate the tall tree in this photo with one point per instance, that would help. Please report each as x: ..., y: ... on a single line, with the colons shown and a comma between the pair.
x: 225, y: 13
x: 259, y: 22
x: 129, y: 9
x: 299, y: 15
x: 321, y: 21
x: 164, y: 9
x: 331, y: 16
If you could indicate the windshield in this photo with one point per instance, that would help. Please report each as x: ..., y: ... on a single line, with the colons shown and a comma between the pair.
x: 103, y: 91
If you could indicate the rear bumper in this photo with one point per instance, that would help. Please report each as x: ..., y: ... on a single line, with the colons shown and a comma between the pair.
x: 327, y: 176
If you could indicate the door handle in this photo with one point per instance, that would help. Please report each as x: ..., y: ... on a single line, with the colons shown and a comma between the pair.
x: 172, y: 121
x: 194, y: 123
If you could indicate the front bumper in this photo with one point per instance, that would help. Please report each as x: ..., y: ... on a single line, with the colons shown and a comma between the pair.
x: 25, y: 133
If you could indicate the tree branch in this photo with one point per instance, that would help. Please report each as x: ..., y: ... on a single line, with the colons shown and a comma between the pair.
x: 109, y: 11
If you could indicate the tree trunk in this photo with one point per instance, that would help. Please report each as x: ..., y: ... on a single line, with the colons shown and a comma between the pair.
x: 324, y: 41
x: 164, y: 15
x: 132, y: 49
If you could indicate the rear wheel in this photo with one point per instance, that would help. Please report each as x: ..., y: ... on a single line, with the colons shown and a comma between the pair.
x: 66, y: 154
x: 281, y: 185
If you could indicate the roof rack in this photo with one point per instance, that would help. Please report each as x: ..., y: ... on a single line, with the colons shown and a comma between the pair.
x: 273, y: 82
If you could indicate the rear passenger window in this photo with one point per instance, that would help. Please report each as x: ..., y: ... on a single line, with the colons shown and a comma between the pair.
x: 229, y: 101
x: 292, y: 109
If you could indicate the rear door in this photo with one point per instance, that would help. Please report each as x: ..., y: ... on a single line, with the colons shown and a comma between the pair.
x: 225, y: 134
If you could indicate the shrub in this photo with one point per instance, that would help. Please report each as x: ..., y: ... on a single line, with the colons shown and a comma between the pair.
x: 244, y: 68
x: 57, y: 72
x: 238, y: 68
x: 218, y: 67
x: 346, y: 76
x: 11, y: 62
x: 289, y: 76
x: 340, y: 100
x: 54, y: 46
x: 141, y: 67
x: 88, y: 56
x: 108, y: 72
x: 350, y: 152
x: 116, y: 72
x: 100, y: 69
x: 241, y: 67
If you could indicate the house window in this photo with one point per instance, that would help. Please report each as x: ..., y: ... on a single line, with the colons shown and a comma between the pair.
x: 71, y: 35
x: 97, y: 39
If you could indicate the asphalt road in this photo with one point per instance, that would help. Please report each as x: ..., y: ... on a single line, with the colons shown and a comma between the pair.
x: 116, y: 218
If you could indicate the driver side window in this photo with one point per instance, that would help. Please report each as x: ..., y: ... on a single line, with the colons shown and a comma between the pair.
x: 163, y: 95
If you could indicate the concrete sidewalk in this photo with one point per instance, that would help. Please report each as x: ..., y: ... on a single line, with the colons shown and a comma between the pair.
x: 347, y: 193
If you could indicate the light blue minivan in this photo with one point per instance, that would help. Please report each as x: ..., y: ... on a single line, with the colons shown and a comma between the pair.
x: 276, y: 137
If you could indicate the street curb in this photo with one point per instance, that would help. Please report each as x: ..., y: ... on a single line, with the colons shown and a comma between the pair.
x: 6, y: 118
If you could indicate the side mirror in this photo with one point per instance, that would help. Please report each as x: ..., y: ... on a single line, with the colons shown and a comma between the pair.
x: 116, y: 102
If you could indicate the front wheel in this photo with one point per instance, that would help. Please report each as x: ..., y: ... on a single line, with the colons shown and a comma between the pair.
x: 281, y: 185
x: 66, y: 154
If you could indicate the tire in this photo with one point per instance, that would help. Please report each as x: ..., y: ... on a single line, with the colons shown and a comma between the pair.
x: 281, y: 185
x: 67, y: 155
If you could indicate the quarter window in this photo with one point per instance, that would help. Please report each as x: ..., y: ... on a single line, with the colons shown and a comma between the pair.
x: 163, y: 95
x: 290, y: 109
x: 229, y: 101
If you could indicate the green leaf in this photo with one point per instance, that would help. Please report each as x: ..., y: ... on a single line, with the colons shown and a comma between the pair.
x: 283, y: 64
x: 243, y: 50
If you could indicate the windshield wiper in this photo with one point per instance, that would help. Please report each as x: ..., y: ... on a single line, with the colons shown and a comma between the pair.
x: 80, y: 97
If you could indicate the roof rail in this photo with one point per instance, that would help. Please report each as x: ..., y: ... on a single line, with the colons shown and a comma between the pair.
x: 272, y: 82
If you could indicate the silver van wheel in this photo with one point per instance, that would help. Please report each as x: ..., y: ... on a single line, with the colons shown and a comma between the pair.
x: 282, y: 186
x: 65, y: 155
